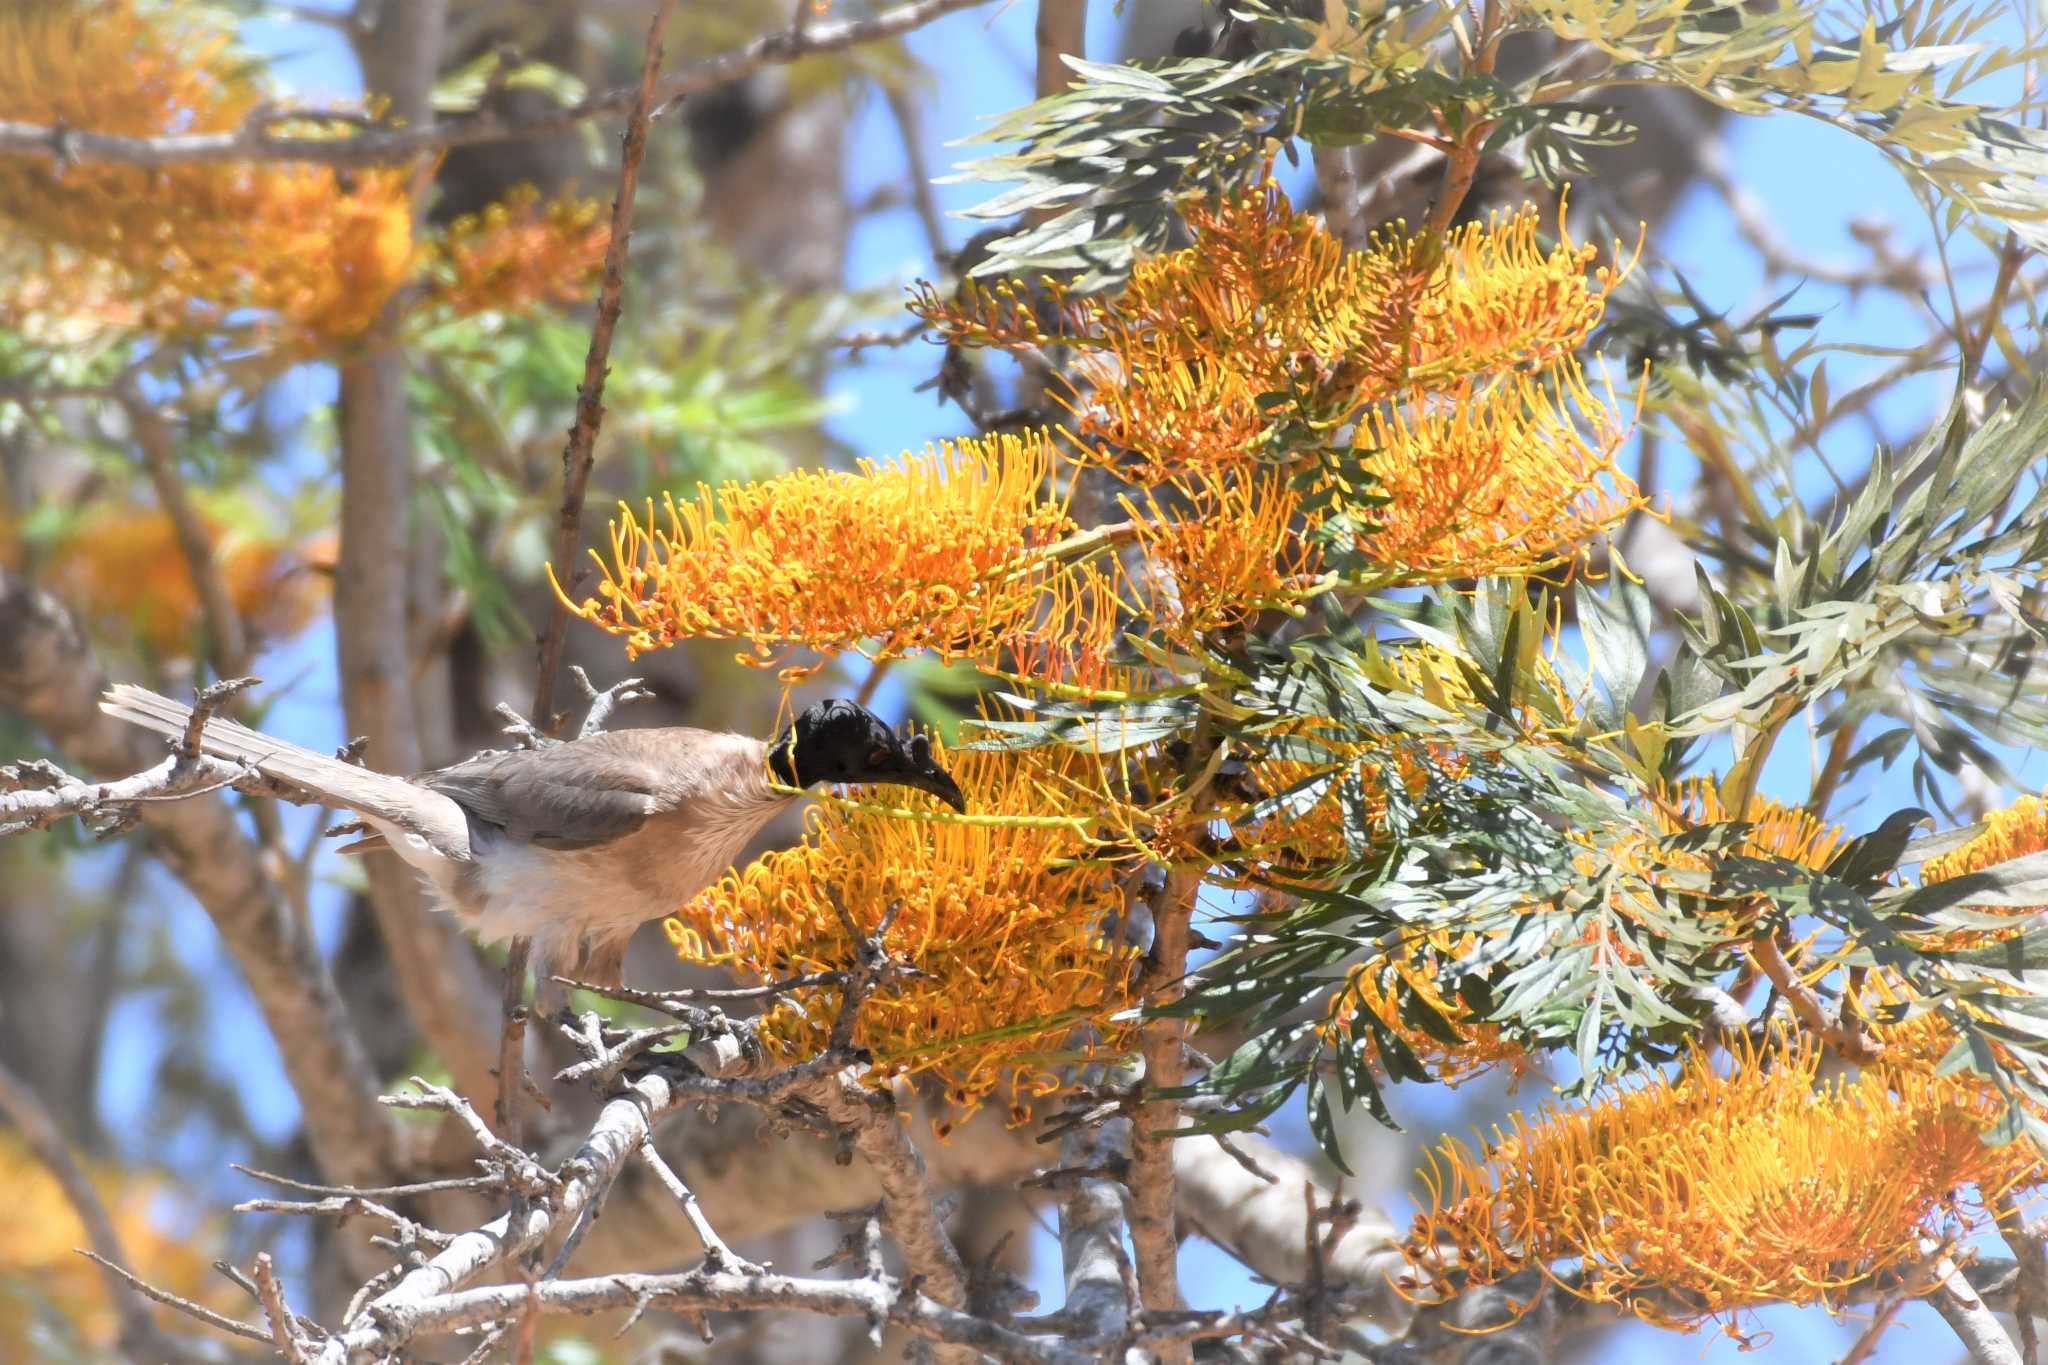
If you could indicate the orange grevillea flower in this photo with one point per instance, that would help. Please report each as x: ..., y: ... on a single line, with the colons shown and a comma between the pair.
x: 936, y: 552
x: 1775, y: 830
x: 1726, y: 1189
x: 1392, y: 983
x: 520, y: 252
x: 2014, y: 832
x: 1219, y: 553
x: 1480, y: 481
x: 319, y: 251
x: 122, y: 567
x: 1011, y: 930
x: 1177, y: 371
x: 41, y: 1271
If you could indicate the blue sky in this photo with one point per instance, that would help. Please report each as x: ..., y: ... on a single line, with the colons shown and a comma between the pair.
x: 1814, y: 178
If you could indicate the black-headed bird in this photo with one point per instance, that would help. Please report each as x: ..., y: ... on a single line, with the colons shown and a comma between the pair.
x: 574, y: 845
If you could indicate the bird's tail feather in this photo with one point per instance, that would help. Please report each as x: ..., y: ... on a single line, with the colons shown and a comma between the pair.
x: 343, y: 784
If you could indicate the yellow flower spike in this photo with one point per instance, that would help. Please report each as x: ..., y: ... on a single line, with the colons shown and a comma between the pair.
x: 1723, y: 1190
x: 1172, y: 368
x: 520, y: 252
x: 316, y: 251
x: 2013, y: 832
x: 1500, y: 480
x: 1776, y: 831
x: 999, y: 910
x: 913, y: 555
x: 1227, y: 553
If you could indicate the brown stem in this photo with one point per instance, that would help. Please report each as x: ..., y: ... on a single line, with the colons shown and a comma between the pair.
x: 1154, y: 1236
x: 1461, y: 163
x: 580, y: 453
x: 438, y: 976
x: 1831, y: 767
x: 1844, y: 1034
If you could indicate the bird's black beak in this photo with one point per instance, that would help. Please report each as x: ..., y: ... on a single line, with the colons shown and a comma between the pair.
x: 922, y: 771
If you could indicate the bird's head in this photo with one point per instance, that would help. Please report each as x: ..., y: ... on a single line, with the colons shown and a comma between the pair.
x: 842, y: 742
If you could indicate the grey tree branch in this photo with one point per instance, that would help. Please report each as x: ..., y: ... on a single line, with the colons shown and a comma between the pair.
x: 254, y: 140
x: 1264, y: 1224
x: 48, y: 675
x: 698, y: 1291
x: 1098, y: 1274
x: 1965, y: 1311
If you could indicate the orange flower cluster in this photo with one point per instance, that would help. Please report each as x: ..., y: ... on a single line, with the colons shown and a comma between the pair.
x: 1720, y: 1191
x: 1456, y: 365
x: 1225, y: 553
x: 1008, y: 927
x: 1480, y: 480
x: 40, y: 1266
x: 936, y: 552
x: 520, y: 252
x: 122, y: 568
x: 316, y: 249
x: 2014, y: 832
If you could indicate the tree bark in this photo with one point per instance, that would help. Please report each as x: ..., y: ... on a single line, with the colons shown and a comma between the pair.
x: 439, y: 978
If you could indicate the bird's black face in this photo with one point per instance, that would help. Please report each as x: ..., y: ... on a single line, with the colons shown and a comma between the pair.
x: 839, y: 741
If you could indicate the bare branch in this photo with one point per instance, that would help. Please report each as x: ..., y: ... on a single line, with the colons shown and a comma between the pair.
x: 284, y: 1328
x: 716, y: 1253
x: 1100, y: 1281
x: 1965, y: 1311
x: 580, y: 453
x: 47, y: 674
x: 199, y: 1311
x: 698, y: 1290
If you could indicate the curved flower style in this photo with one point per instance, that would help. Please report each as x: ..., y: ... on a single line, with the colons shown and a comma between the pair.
x: 318, y: 250
x: 1479, y: 481
x: 1224, y: 554
x: 1721, y: 1191
x: 1391, y: 986
x: 938, y: 552
x: 1013, y: 934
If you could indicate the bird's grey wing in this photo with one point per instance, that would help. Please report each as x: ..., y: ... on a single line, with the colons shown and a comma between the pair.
x: 569, y: 796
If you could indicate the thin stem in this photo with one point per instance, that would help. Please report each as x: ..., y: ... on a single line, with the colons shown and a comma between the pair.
x: 580, y: 453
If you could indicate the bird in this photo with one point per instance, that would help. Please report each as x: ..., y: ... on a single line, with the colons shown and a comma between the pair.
x: 575, y: 844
